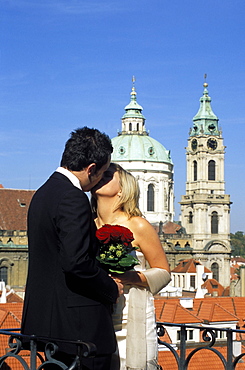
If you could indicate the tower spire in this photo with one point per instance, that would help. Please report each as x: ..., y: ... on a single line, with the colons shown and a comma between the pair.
x: 133, y: 121
x: 205, y: 77
x: 205, y: 121
x: 133, y: 80
x: 133, y: 92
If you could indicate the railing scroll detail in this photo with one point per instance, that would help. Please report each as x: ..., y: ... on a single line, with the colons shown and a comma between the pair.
x: 209, y: 343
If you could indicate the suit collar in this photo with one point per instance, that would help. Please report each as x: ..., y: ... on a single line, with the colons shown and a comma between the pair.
x: 74, y: 180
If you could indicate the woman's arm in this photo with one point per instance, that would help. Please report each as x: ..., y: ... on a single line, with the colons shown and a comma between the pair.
x: 147, y: 240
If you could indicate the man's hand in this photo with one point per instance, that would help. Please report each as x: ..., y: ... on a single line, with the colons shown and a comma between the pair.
x: 119, y: 285
x: 120, y: 288
x: 131, y: 277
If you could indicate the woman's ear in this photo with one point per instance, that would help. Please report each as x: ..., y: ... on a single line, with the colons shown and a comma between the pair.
x: 119, y: 194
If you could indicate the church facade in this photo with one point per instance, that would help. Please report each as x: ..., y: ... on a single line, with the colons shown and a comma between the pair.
x: 205, y: 208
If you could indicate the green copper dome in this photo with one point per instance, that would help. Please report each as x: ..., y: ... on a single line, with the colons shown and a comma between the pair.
x: 139, y: 148
x: 133, y: 143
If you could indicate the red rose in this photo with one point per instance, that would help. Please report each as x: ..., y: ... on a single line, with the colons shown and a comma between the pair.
x: 104, y: 234
x: 114, y: 233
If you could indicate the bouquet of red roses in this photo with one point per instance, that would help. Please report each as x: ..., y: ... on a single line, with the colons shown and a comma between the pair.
x: 115, y: 248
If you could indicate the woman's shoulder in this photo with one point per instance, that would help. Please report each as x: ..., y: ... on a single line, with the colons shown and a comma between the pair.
x: 139, y: 223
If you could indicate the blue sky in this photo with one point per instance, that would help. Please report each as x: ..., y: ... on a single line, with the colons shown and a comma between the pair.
x: 69, y: 63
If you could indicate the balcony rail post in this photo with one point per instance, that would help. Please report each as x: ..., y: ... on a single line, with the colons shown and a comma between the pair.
x: 229, y: 335
x: 183, y: 336
x: 33, y: 353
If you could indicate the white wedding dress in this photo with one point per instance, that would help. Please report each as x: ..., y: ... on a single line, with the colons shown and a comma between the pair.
x: 147, y: 332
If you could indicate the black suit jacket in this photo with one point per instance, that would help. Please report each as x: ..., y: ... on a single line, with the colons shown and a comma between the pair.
x: 67, y: 295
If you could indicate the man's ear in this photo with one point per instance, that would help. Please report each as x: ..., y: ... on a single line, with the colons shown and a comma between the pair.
x: 91, y: 169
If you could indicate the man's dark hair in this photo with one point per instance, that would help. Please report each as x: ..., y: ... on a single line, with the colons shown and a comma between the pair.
x: 86, y: 146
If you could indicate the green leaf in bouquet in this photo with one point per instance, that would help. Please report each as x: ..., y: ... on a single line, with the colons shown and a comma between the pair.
x: 118, y: 272
x: 129, y: 260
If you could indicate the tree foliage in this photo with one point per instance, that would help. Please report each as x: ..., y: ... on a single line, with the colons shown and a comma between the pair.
x: 238, y: 244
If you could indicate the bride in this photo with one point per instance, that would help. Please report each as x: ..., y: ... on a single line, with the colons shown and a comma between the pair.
x: 115, y: 201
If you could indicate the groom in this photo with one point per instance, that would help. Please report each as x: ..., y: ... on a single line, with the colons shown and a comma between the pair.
x: 67, y: 295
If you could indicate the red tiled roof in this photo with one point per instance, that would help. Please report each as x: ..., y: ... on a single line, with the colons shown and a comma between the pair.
x: 13, y: 208
x: 213, y: 312
x: 189, y: 265
x: 10, y: 317
x: 170, y: 311
x: 212, y: 285
x: 12, y: 297
x: 213, y: 309
x: 237, y: 259
x: 170, y: 227
x: 15, y: 310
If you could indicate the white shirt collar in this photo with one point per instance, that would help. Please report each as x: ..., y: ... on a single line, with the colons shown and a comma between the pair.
x: 70, y: 176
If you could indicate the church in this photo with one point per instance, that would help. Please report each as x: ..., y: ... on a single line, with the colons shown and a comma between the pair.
x: 203, y: 233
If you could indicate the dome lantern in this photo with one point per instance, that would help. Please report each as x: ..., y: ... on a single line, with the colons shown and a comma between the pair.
x: 133, y: 121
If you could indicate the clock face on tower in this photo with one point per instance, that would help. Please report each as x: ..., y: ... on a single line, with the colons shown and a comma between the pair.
x: 194, y: 144
x: 212, y: 144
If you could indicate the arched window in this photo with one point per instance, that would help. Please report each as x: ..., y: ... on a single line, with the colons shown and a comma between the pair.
x: 130, y: 126
x: 211, y: 170
x: 215, y: 271
x: 190, y: 218
x: 138, y: 126
x: 150, y: 198
x: 195, y: 170
x: 214, y: 223
x: 4, y: 274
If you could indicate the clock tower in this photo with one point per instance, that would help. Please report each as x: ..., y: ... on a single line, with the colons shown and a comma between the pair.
x: 205, y: 208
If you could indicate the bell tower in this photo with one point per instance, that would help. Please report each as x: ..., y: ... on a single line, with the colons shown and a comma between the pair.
x: 205, y: 208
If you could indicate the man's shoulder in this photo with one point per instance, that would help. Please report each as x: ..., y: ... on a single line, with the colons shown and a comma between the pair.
x: 56, y: 186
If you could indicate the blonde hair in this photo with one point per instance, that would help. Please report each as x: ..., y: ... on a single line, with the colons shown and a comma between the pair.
x: 129, y: 199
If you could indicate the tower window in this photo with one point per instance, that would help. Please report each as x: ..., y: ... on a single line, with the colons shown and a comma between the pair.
x: 214, y: 223
x: 215, y: 271
x: 4, y: 274
x: 150, y: 198
x: 195, y: 170
x: 211, y: 170
x: 190, y: 218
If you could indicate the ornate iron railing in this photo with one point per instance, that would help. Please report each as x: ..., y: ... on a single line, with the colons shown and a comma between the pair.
x: 182, y: 359
x: 34, y: 360
x: 31, y: 359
